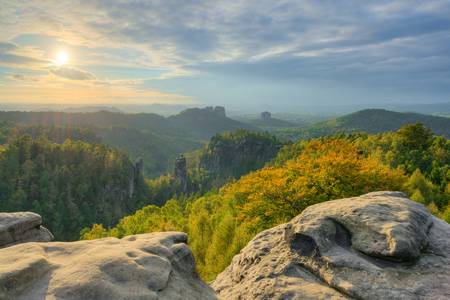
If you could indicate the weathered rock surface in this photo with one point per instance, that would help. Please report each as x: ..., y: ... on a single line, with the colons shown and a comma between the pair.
x: 377, y: 246
x: 147, y: 266
x: 21, y: 227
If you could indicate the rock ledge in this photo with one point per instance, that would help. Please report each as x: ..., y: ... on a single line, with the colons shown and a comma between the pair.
x: 22, y: 227
x: 377, y: 246
x: 147, y: 266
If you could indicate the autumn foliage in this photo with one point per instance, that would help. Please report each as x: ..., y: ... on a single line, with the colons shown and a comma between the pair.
x: 220, y: 224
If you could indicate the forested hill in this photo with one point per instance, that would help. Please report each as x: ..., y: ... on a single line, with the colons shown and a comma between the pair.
x: 196, y: 123
x: 371, y: 121
x: 380, y: 120
x: 154, y: 138
x: 206, y: 122
x: 72, y: 185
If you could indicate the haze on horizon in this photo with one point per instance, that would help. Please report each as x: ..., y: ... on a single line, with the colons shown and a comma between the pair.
x: 241, y: 54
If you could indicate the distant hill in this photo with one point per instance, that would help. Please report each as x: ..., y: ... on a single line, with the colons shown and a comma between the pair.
x: 271, y: 123
x: 156, y: 139
x: 206, y: 122
x: 265, y: 121
x: 436, y: 109
x: 370, y: 121
x: 83, y: 109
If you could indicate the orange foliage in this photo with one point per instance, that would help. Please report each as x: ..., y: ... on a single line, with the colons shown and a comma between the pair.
x: 323, y: 171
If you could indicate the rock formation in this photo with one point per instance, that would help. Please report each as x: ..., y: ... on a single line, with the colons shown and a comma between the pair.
x: 266, y: 116
x: 21, y: 227
x: 377, y: 246
x: 135, y: 173
x: 233, y: 155
x: 147, y: 266
x: 220, y: 111
x: 217, y: 110
x: 180, y: 172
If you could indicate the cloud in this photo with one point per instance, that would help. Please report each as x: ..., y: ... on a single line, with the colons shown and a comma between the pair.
x: 21, y: 60
x: 7, y: 46
x: 175, y: 34
x: 354, y: 42
x: 12, y: 55
x: 72, y: 73
x: 25, y: 78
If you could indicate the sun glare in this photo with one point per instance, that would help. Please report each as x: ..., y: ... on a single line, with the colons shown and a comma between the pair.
x: 61, y: 58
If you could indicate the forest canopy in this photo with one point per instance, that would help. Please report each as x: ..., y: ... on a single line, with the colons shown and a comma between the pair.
x: 220, y: 223
x: 71, y: 185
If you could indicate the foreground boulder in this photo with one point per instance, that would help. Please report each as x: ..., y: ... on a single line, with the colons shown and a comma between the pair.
x: 22, y: 227
x: 377, y: 246
x: 147, y: 266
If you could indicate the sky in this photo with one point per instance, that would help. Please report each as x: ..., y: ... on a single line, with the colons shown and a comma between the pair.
x: 241, y: 54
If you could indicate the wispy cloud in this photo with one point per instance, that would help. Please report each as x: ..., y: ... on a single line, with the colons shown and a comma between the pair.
x: 72, y: 73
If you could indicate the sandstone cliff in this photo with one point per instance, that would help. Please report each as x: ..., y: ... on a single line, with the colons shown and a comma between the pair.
x: 377, y: 246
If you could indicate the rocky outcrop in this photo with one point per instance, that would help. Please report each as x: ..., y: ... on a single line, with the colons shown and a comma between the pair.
x: 180, y: 173
x: 147, y: 266
x: 21, y: 227
x: 231, y: 155
x: 220, y: 111
x: 266, y: 116
x: 135, y: 175
x: 377, y: 246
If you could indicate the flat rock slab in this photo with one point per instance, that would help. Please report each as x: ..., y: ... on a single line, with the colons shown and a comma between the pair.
x: 377, y: 246
x: 21, y: 227
x: 147, y: 266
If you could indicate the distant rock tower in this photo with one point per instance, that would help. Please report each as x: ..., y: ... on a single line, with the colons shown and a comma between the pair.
x: 180, y: 172
x: 134, y: 175
x: 266, y: 116
x: 220, y: 111
x: 138, y: 166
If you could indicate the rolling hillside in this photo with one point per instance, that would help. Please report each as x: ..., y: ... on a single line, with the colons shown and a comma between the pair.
x: 370, y: 121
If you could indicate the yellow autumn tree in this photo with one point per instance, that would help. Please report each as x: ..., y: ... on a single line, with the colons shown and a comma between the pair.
x: 325, y: 170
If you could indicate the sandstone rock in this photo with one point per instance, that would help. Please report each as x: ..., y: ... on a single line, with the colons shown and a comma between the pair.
x: 147, y: 266
x: 21, y: 227
x: 377, y: 246
x: 180, y: 173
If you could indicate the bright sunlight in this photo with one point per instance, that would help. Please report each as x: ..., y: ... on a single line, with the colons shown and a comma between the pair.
x: 62, y: 58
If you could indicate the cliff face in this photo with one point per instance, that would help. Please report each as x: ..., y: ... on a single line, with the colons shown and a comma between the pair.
x: 377, y: 246
x: 233, y: 155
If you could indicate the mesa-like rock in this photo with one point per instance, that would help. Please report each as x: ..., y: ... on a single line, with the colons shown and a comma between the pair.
x: 377, y: 246
x: 147, y: 266
x: 21, y: 227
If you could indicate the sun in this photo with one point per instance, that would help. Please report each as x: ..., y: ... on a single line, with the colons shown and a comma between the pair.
x: 62, y: 58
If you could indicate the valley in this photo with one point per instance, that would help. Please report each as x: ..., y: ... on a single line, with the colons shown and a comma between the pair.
x: 135, y: 154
